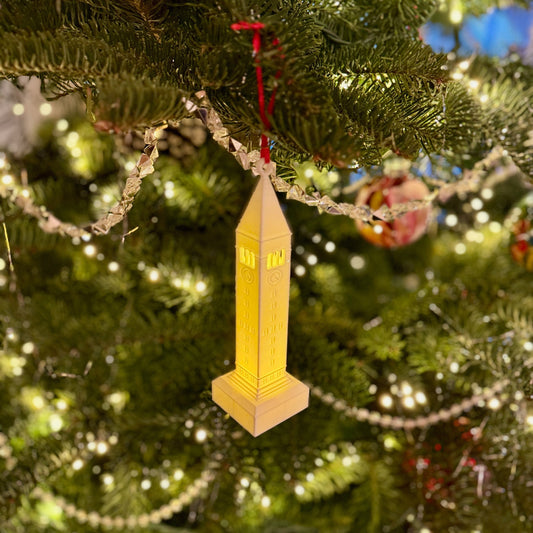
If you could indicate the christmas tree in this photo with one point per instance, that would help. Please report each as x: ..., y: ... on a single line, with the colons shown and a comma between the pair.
x: 133, y: 132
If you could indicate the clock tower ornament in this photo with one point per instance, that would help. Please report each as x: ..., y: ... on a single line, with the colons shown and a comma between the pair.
x: 260, y: 394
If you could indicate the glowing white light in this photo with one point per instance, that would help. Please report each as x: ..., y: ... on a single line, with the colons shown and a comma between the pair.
x: 90, y: 250
x: 146, y: 484
x: 357, y: 262
x: 316, y: 238
x: 299, y: 270
x: 420, y: 397
x: 38, y: 402
x: 299, y: 490
x: 378, y: 229
x: 76, y: 151
x: 495, y: 227
x: 482, y: 217
x: 108, y: 479
x: 473, y: 84
x: 178, y: 474
x: 2, y: 264
x: 78, y: 464
x: 169, y: 193
x: 463, y: 65
x: 62, y: 125
x: 45, y: 109
x: 200, y: 435
x: 457, y: 76
x: 265, y: 502
x: 62, y: 405
x: 308, y: 172
x: 28, y: 347
x: 389, y: 442
x: 18, y: 109
x: 310, y: 476
x: 494, y: 404
x: 451, y: 220
x: 91, y: 446
x: 456, y: 16
x: 201, y: 286
x: 330, y: 246
x: 454, y: 367
x: 346, y: 461
x: 487, y: 194
x: 484, y: 98
x: 245, y: 482
x: 529, y: 420
x: 154, y: 275
x: 113, y: 266
x: 7, y: 179
x: 460, y: 248
x: 406, y: 388
x: 55, y: 422
x: 102, y: 447
x: 165, y: 483
x: 72, y: 139
x: 476, y: 203
x: 425, y: 529
x: 408, y: 402
x: 25, y: 193
x: 312, y: 259
x: 129, y: 166
x: 386, y: 401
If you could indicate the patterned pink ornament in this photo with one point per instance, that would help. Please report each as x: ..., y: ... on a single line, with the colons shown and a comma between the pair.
x: 389, y: 191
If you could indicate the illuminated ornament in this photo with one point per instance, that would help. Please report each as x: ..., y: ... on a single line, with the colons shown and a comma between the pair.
x: 388, y: 191
x: 520, y: 222
x: 259, y: 394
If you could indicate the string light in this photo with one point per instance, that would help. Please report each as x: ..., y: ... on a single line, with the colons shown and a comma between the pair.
x: 113, y: 266
x: 154, y: 275
x: 178, y: 474
x: 7, y: 179
x: 201, y: 286
x: 78, y: 464
x: 299, y: 490
x: 89, y: 250
x: 45, y: 109
x: 386, y: 401
x: 18, y: 109
x: 146, y: 484
x: 101, y: 447
x: 265, y: 501
x: 200, y: 435
x: 62, y: 125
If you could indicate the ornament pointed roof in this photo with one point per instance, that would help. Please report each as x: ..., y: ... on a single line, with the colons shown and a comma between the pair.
x: 263, y: 218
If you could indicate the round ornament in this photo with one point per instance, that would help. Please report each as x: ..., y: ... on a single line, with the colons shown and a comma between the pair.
x: 520, y: 222
x: 391, y: 191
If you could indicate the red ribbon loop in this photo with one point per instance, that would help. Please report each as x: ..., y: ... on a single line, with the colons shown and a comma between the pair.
x: 256, y: 27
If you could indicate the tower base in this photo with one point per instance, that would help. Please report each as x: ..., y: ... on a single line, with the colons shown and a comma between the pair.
x: 258, y: 415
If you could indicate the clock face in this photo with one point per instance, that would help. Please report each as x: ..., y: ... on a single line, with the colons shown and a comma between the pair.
x: 247, y: 274
x: 274, y: 277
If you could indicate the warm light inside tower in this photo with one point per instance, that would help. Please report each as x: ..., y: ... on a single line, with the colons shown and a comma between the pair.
x: 259, y: 393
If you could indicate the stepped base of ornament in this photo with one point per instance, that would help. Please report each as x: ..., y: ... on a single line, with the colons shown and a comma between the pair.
x: 256, y: 411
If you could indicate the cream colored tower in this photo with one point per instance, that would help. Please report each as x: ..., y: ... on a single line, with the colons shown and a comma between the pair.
x: 259, y: 393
